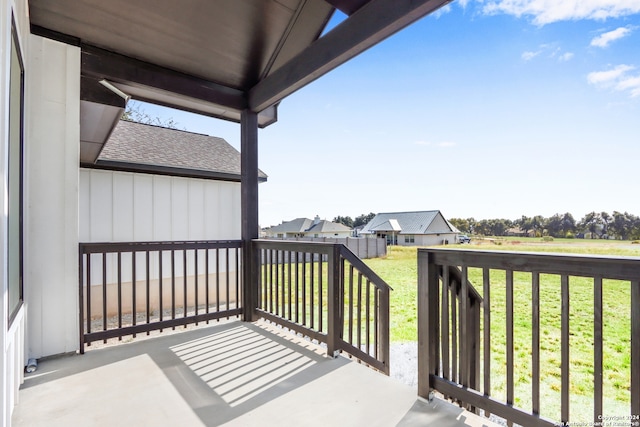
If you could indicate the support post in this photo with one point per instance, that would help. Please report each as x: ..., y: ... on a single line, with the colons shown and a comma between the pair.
x: 249, y: 211
x: 428, y: 323
x: 334, y: 302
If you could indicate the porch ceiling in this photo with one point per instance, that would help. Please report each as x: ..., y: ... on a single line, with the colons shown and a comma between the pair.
x: 215, y: 57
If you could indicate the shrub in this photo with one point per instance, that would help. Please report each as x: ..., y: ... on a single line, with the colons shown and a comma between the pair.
x: 547, y: 239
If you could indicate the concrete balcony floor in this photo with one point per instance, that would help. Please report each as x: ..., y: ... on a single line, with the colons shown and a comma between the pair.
x: 227, y: 374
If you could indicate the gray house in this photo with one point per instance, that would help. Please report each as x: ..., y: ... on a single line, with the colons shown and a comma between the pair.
x: 422, y: 228
x: 304, y: 227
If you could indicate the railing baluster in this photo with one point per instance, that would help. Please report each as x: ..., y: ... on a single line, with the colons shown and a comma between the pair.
x: 119, y: 292
x: 148, y: 286
x: 297, y: 288
x: 320, y: 294
x: 509, y: 317
x: 635, y: 350
x: 160, y: 290
x: 238, y: 291
x: 359, y: 313
x: 486, y: 307
x: 173, y: 286
x: 227, y: 265
x: 289, y: 291
x: 304, y: 289
x: 195, y: 282
x: 367, y: 314
x: 564, y: 348
x: 444, y: 334
x: 104, y: 293
x: 597, y: 350
x: 184, y: 284
x: 350, y: 312
x: 217, y: 280
x: 454, y: 333
x: 134, y: 310
x: 376, y: 322
x: 277, y: 282
x: 311, y: 290
x: 464, y: 329
x: 535, y: 343
x: 206, y: 282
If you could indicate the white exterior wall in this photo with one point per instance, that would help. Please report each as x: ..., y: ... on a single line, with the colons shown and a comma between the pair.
x: 12, y: 353
x: 51, y: 196
x: 129, y: 207
x: 433, y: 239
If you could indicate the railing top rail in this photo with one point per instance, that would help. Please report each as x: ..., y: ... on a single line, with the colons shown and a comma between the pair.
x: 609, y: 267
x: 100, y: 247
x: 363, y: 268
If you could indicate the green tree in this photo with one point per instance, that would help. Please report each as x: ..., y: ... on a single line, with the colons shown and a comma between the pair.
x: 461, y: 224
x: 363, y: 219
x: 344, y: 220
x: 591, y: 223
x: 554, y: 226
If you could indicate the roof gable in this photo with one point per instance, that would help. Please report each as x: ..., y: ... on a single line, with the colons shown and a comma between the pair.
x: 419, y: 222
x: 298, y: 225
x: 325, y: 226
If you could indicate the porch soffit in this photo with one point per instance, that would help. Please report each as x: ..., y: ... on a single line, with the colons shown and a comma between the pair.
x: 218, y: 57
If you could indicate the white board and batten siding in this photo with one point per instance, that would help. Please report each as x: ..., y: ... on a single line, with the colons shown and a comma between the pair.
x: 131, y: 207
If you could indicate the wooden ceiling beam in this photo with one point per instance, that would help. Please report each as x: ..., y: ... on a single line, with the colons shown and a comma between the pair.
x: 371, y: 24
x: 102, y: 64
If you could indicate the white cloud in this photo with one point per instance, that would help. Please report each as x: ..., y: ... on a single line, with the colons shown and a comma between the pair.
x: 565, y: 57
x: 609, y: 76
x: 548, y: 11
x: 528, y: 56
x: 604, y: 39
x: 442, y: 11
x: 632, y: 84
x: 617, y: 78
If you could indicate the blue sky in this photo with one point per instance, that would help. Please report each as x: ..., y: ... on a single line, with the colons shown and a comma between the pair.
x: 485, y: 109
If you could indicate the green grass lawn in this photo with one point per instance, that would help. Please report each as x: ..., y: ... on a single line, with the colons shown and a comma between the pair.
x: 399, y: 269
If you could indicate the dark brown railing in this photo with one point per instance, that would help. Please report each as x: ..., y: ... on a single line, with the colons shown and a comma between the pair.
x: 130, y: 288
x: 446, y: 354
x: 325, y: 292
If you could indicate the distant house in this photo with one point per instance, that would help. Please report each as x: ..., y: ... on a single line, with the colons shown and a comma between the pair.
x: 151, y: 183
x: 304, y: 227
x: 519, y: 232
x: 422, y: 228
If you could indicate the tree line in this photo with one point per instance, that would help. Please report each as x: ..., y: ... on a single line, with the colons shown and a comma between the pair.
x: 595, y: 225
x: 353, y: 223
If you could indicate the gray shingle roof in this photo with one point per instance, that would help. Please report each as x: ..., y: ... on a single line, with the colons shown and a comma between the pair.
x: 147, y: 146
x: 325, y: 226
x: 297, y: 225
x: 306, y: 225
x: 410, y: 222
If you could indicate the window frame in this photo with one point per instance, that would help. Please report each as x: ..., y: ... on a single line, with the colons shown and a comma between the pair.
x: 16, y: 60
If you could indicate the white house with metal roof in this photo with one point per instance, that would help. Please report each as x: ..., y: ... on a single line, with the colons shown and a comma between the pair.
x: 421, y: 228
x: 305, y: 227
